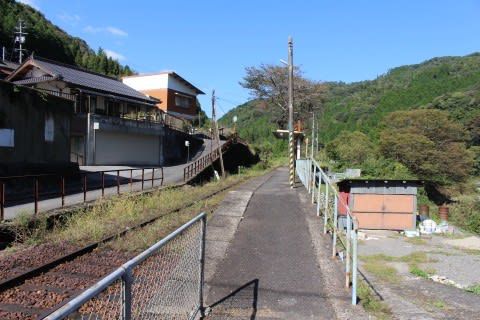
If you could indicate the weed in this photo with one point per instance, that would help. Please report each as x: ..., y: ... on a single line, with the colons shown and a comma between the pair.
x: 475, y: 289
x: 439, y: 304
x: 416, y: 241
x: 415, y: 270
x: 371, y: 303
x: 382, y: 271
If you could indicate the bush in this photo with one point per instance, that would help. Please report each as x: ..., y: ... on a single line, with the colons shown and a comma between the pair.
x: 466, y: 214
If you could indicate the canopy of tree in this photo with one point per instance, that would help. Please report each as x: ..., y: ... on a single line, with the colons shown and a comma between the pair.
x: 49, y: 41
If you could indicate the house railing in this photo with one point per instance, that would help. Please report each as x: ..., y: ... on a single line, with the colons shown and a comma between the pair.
x: 68, y: 96
x: 35, y: 188
x: 163, y: 282
x: 343, y: 227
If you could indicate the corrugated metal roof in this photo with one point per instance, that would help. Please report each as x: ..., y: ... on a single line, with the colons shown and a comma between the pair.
x: 87, y: 79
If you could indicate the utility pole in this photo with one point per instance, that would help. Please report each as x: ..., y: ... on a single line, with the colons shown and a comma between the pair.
x: 290, y: 113
x: 217, y: 134
x: 20, y: 39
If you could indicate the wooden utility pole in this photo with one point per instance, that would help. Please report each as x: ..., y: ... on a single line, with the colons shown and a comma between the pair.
x: 291, y: 154
x: 217, y: 134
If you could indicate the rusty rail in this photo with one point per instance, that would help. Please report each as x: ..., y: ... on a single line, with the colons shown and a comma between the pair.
x: 80, y: 180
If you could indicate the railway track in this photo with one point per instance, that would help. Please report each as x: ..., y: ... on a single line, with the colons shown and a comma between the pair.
x: 35, y: 293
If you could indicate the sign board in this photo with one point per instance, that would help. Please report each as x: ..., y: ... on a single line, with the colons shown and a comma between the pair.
x: 187, y: 143
x: 235, y: 119
x: 7, y: 138
x: 96, y: 125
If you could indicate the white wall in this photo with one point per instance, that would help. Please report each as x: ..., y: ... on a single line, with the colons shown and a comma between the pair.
x: 114, y: 148
x: 157, y: 81
x: 151, y: 82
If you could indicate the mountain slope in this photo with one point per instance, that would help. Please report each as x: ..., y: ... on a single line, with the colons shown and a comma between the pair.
x: 49, y: 41
x: 447, y: 83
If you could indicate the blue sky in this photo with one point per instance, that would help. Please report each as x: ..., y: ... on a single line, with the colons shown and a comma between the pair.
x: 211, y: 42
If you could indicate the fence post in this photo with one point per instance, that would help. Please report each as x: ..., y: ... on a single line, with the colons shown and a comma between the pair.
x: 127, y: 280
x: 161, y: 183
x: 335, y: 216
x: 354, y: 266
x: 325, y: 213
x: 314, y: 182
x: 2, y: 201
x: 143, y: 177
x: 202, y: 265
x: 84, y: 188
x: 118, y: 181
x: 319, y: 192
x: 35, y: 190
x: 62, y: 187
x: 347, y: 261
x: 153, y: 175
x: 131, y: 180
x: 103, y: 184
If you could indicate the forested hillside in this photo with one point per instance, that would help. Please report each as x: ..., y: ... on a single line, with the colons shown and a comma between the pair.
x: 49, y: 41
x: 379, y: 125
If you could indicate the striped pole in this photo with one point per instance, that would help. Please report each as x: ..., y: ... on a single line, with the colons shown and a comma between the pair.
x: 291, y: 154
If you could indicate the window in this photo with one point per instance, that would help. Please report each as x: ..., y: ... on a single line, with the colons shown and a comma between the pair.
x: 183, y: 101
x: 49, y: 128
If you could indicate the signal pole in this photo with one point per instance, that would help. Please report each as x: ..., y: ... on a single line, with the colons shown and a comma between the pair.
x: 291, y: 154
x: 217, y: 134
x: 20, y: 38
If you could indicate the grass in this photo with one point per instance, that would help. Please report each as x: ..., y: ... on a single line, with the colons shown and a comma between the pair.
x: 382, y: 271
x: 439, y: 304
x: 416, y: 241
x: 425, y: 274
x: 475, y: 289
x: 412, y: 258
x: 371, y: 303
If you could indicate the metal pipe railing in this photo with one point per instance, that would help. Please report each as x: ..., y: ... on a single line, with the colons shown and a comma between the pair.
x: 328, y: 201
x: 77, y: 181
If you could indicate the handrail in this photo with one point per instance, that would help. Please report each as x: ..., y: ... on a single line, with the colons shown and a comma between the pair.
x: 82, y: 179
x: 307, y: 171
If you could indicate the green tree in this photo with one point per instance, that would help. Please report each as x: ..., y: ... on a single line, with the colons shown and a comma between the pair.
x: 350, y: 148
x: 428, y: 143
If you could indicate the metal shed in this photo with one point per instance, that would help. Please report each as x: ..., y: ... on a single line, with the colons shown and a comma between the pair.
x: 382, y: 204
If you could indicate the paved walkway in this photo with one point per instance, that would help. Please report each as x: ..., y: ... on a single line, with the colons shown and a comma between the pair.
x: 270, y: 269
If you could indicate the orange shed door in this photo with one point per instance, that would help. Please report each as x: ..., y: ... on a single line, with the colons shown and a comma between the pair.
x: 391, y: 211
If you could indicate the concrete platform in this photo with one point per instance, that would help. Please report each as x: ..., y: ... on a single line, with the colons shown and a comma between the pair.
x: 269, y: 269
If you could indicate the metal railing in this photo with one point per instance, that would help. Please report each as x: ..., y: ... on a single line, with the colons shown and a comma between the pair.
x: 68, y: 96
x: 197, y: 166
x: 163, y: 282
x: 328, y: 201
x: 48, y: 186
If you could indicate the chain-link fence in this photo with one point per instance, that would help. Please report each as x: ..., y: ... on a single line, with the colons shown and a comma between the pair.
x: 163, y: 282
x: 337, y: 218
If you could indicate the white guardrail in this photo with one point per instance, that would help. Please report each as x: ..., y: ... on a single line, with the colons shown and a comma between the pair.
x: 344, y: 231
x: 163, y: 282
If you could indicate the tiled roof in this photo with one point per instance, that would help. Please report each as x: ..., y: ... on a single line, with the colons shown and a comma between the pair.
x: 34, y: 80
x: 88, y: 79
